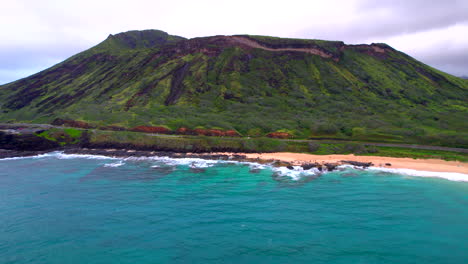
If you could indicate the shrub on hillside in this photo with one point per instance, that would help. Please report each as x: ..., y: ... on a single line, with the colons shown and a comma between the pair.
x: 312, y: 146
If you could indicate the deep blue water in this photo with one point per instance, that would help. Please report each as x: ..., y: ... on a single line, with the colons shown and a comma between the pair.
x: 60, y: 209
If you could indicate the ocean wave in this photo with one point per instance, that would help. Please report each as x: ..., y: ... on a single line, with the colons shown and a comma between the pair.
x: 255, y: 167
x: 296, y: 173
x: 191, y: 162
x: 115, y: 164
x: 452, y: 176
x: 62, y: 155
x: 16, y: 158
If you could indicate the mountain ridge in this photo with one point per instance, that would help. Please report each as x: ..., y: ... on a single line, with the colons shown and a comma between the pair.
x: 253, y: 84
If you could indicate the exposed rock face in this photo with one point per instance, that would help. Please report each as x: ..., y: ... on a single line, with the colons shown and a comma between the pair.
x: 375, y: 49
x: 209, y: 132
x: 357, y: 163
x: 113, y: 128
x: 213, y: 46
x: 151, y: 129
x: 140, y: 77
x: 185, y: 131
x: 232, y: 133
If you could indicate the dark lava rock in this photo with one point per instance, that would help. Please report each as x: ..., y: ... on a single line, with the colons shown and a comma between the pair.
x: 357, y: 163
x: 331, y: 166
x: 308, y: 166
x: 279, y: 163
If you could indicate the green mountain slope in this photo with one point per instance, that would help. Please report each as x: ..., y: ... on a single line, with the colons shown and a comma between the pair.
x: 253, y: 84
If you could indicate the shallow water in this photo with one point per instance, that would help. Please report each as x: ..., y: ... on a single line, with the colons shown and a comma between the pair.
x: 86, y: 209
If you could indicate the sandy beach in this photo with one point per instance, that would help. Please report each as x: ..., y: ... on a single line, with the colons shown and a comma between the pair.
x: 432, y: 165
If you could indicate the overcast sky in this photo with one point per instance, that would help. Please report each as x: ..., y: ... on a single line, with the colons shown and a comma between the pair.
x: 35, y: 35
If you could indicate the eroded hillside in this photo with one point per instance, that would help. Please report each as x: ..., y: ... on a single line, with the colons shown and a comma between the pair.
x: 250, y: 84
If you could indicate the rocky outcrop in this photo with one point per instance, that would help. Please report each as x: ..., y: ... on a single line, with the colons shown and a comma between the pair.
x: 152, y: 129
x: 214, y: 45
x: 207, y: 132
x: 378, y: 50
x: 112, y: 128
x: 308, y: 166
x: 357, y: 163
x: 184, y: 131
x: 231, y: 133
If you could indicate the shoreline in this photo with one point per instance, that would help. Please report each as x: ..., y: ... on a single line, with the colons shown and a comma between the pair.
x: 430, y: 165
x: 277, y: 159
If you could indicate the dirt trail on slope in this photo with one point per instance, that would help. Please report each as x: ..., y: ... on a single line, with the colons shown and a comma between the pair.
x: 253, y: 44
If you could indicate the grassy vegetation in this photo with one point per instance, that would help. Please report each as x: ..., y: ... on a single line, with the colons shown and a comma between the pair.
x: 149, y: 78
x: 64, y: 136
x: 419, y: 154
x: 184, y: 144
x: 142, y: 141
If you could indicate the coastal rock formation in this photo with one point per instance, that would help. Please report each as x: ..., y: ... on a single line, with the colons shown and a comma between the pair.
x: 358, y: 164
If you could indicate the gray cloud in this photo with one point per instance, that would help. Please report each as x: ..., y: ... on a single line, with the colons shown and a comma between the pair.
x: 21, y: 61
x: 35, y: 35
x: 454, y: 61
x: 386, y: 18
x: 415, y: 16
x: 393, y: 21
x: 27, y: 56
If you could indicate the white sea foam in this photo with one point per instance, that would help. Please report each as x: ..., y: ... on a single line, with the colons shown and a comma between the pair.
x: 15, y: 158
x: 192, y: 162
x: 255, y: 166
x: 115, y: 164
x: 61, y: 155
x: 453, y: 176
x: 296, y: 173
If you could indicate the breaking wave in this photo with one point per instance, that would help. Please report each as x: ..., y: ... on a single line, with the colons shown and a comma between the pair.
x: 295, y: 173
x: 452, y: 176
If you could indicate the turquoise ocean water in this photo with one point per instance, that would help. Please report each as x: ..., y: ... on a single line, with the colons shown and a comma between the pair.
x: 82, y: 209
